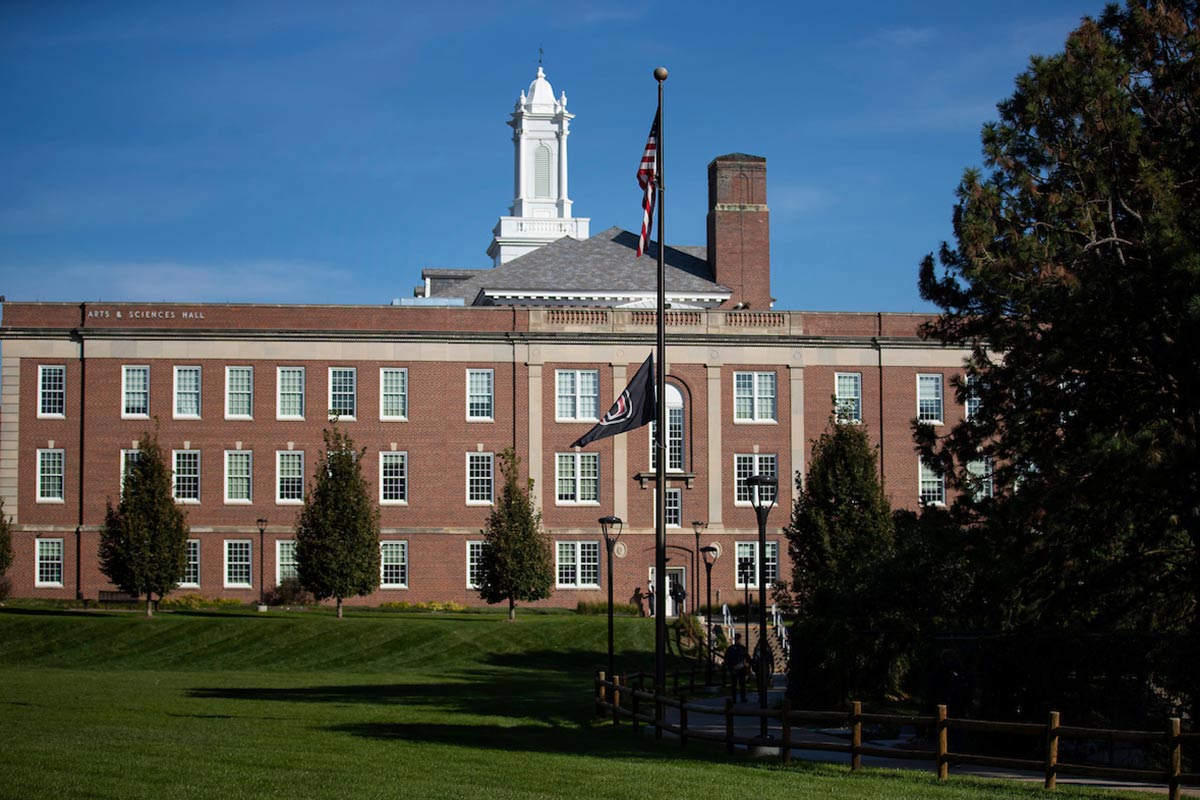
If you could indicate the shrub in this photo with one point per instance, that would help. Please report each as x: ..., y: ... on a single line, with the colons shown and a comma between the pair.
x: 193, y: 600
x: 5, y: 588
x: 289, y: 592
x: 601, y: 609
x: 431, y: 605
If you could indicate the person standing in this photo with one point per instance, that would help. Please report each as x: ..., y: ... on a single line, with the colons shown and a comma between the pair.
x: 737, y: 661
x: 653, y: 606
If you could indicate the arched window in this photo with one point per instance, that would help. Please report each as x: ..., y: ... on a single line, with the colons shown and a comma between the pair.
x: 674, y: 403
x: 541, y: 171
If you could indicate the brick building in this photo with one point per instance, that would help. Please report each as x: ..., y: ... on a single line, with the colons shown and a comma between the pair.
x: 526, y: 354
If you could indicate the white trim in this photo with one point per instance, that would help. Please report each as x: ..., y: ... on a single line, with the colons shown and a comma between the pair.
x: 249, y: 565
x: 754, y: 418
x: 837, y: 398
x: 757, y: 466
x: 491, y: 373
x: 62, y: 497
x: 281, y: 501
x: 279, y: 558
x: 383, y: 545
x: 175, y: 391
x: 941, y: 398
x: 383, y: 456
x: 921, y: 468
x: 175, y: 474
x: 329, y: 395
x: 479, y: 544
x: 228, y: 369
x: 41, y: 391
x: 240, y: 501
x: 577, y: 565
x: 558, y: 373
x: 184, y: 584
x: 279, y: 392
x: 614, y: 297
x: 576, y: 478
x: 124, y: 461
x: 37, y: 562
x: 125, y: 368
x: 393, y: 417
x: 492, y: 479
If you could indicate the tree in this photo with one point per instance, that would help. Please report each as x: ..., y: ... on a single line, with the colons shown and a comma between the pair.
x: 6, y: 550
x: 841, y: 540
x: 337, y: 535
x: 143, y: 544
x: 517, y: 561
x: 1075, y: 281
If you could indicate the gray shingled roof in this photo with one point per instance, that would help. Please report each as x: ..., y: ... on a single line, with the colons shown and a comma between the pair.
x: 604, y: 262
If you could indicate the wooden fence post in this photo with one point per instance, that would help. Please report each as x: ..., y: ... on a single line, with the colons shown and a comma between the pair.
x: 1174, y: 757
x: 616, y: 699
x: 658, y: 715
x: 683, y: 721
x: 636, y: 703
x: 856, y: 736
x: 729, y: 724
x: 943, y: 763
x: 600, y: 693
x: 1052, y: 750
x: 785, y: 747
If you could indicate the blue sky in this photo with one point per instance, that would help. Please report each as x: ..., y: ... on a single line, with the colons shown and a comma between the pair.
x: 320, y: 152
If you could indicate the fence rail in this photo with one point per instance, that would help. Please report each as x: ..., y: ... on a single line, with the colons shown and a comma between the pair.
x: 619, y: 698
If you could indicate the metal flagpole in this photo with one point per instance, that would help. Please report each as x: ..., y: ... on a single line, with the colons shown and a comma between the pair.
x: 660, y: 434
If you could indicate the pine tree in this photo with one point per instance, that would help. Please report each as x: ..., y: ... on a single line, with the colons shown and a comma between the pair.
x: 337, y: 535
x: 143, y: 544
x: 517, y: 562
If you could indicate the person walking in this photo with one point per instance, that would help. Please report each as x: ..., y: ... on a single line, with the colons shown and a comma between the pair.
x: 737, y: 662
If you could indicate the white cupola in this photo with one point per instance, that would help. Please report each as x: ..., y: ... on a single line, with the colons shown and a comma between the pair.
x: 541, y: 208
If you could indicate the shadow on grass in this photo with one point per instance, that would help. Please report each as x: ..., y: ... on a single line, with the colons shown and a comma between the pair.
x: 75, y: 613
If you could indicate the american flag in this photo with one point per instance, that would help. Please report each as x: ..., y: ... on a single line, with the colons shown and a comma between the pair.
x: 647, y: 177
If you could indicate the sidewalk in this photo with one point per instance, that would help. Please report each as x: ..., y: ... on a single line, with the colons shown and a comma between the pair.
x: 745, y: 726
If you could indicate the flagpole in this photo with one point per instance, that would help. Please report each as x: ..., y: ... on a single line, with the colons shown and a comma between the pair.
x: 660, y: 434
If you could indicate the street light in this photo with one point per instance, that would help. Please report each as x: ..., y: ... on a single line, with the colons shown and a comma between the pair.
x: 762, y: 497
x: 610, y: 541
x: 262, y: 557
x: 710, y: 555
x: 698, y: 527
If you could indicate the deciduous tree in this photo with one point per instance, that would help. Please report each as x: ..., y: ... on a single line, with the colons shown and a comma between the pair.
x: 6, y: 550
x: 517, y: 562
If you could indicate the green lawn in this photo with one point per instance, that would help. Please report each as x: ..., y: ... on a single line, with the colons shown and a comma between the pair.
x: 299, y: 705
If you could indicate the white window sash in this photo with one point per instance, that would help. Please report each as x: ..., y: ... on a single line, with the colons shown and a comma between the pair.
x: 289, y: 372
x: 57, y: 391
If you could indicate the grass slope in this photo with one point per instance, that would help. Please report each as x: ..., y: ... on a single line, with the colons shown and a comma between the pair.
x: 300, y: 705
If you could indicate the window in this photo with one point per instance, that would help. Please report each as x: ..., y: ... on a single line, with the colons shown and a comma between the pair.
x: 848, y: 396
x: 973, y: 384
x: 674, y: 432
x: 343, y: 393
x: 479, y: 394
x: 393, y: 393
x: 239, y: 392
x: 479, y: 479
x: 929, y: 399
x: 237, y: 563
x: 932, y: 485
x: 191, y: 567
x: 238, y: 464
x: 577, y: 476
x: 285, y: 561
x: 980, y: 470
x: 289, y: 393
x: 51, y: 478
x: 187, y: 476
x: 745, y: 465
x: 474, y: 564
x: 578, y: 395
x: 52, y: 391
x: 674, y: 513
x: 393, y: 478
x: 754, y: 397
x: 578, y: 565
x: 749, y: 576
x: 187, y: 393
x: 128, y: 459
x: 289, y: 477
x: 393, y: 565
x: 49, y: 570
x: 135, y: 392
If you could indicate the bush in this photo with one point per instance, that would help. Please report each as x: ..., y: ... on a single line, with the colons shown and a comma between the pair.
x: 432, y: 605
x: 5, y: 588
x: 289, y: 592
x: 192, y: 600
x: 601, y: 609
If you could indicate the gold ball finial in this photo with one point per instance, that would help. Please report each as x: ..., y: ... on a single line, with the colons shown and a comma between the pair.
x: 660, y: 74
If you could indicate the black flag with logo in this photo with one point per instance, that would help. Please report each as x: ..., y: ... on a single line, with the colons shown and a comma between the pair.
x: 633, y: 409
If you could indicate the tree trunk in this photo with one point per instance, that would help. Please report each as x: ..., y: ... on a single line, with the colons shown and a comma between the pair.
x: 149, y: 604
x: 512, y: 609
x: 339, y: 608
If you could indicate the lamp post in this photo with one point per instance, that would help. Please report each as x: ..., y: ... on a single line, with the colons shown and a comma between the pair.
x: 762, y: 497
x: 710, y: 555
x: 745, y: 566
x: 698, y: 527
x: 262, y: 557
x: 610, y: 541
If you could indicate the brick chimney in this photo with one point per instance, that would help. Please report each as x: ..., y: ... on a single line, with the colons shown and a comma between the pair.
x: 739, y: 231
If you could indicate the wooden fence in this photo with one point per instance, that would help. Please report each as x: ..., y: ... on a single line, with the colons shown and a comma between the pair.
x: 620, y: 698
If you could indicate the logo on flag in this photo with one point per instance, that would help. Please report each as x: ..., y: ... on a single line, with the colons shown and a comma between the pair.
x: 647, y: 178
x: 634, y: 408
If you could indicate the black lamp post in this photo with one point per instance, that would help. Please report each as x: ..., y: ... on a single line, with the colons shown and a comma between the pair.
x: 698, y: 527
x: 745, y: 566
x: 762, y: 497
x: 610, y: 541
x: 710, y: 555
x: 262, y: 557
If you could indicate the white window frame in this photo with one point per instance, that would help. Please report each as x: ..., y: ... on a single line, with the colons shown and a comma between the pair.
x: 128, y: 457
x: 249, y: 498
x: 474, y: 562
x: 280, y: 546
x: 741, y: 494
x: 353, y: 372
x: 249, y: 550
x: 279, y: 393
x: 175, y: 454
x: 190, y: 562
x: 280, y: 457
x: 972, y: 402
x: 575, y: 562
x: 40, y: 559
x: 982, y: 470
x: 490, y: 460
x: 43, y: 474
x: 576, y: 396
x: 576, y: 478
x: 676, y: 422
x: 491, y: 395
x: 402, y: 372
x: 59, y: 392
x: 229, y: 371
x: 393, y: 544
x: 176, y: 395
x: 771, y: 564
x: 926, y: 475
x: 928, y: 380
x: 402, y: 457
x: 842, y: 402
x: 756, y: 397
x: 675, y: 504
x: 126, y: 371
